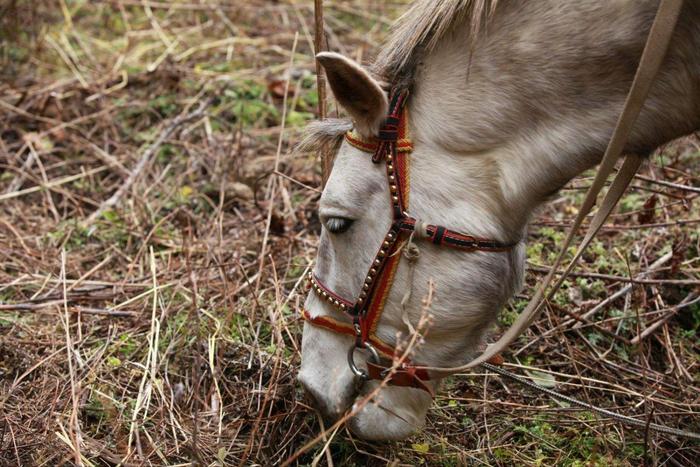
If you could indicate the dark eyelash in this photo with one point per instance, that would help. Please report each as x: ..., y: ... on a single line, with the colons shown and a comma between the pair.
x: 338, y: 224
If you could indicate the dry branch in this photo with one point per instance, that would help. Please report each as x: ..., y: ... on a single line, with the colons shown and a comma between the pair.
x: 144, y: 161
x: 320, y: 45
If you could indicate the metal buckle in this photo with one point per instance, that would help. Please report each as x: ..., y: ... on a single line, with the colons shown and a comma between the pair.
x: 374, y: 356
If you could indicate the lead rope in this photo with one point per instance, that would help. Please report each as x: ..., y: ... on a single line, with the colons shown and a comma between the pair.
x: 619, y: 417
x: 411, y: 252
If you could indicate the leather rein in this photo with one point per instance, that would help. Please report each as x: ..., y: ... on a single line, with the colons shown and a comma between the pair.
x: 392, y: 146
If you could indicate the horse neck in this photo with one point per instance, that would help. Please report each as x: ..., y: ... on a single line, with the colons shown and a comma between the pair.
x: 533, y: 102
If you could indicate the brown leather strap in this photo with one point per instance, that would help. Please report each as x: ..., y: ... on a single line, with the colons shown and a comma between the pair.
x: 652, y: 57
x: 409, y: 377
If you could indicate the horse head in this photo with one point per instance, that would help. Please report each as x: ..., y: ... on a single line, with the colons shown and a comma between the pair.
x: 494, y: 122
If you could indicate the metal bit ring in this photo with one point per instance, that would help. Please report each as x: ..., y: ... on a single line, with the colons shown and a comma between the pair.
x: 374, y: 357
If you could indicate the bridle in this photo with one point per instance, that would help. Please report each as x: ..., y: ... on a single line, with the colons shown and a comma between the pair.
x: 392, y: 146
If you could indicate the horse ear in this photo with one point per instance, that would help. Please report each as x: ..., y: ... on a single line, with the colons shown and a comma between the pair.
x: 356, y: 91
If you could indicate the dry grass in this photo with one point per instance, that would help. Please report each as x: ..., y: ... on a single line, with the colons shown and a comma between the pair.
x: 163, y: 329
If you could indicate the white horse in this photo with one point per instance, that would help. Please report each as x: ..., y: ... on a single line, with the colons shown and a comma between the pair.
x: 508, y: 101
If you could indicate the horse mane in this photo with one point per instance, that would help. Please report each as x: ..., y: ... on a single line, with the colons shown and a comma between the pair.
x: 417, y: 31
x: 420, y: 29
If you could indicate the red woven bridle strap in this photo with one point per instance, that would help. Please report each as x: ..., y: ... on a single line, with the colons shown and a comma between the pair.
x: 343, y: 327
x: 442, y: 236
x: 403, y: 140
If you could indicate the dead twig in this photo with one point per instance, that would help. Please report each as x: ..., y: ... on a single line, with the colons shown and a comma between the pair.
x: 320, y: 45
x: 676, y: 186
x: 73, y: 309
x: 144, y: 160
x: 670, y: 312
x: 74, y: 425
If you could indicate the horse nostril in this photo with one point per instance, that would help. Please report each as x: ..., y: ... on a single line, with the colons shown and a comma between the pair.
x: 310, y: 395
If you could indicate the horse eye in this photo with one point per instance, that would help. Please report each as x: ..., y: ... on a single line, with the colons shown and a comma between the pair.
x: 338, y: 224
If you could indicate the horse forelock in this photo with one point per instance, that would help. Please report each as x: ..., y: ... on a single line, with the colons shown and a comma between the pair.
x: 324, y: 134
